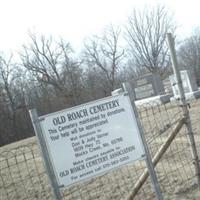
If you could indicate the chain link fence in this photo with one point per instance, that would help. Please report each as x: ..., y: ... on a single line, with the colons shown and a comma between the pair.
x: 22, y: 175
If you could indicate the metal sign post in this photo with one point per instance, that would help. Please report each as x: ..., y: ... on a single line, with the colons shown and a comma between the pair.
x: 183, y: 102
x: 149, y: 163
x: 44, y: 151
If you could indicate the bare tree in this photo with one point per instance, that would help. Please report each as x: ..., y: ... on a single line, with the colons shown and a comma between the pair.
x: 11, y: 96
x: 7, y: 96
x: 189, y: 54
x: 104, y: 52
x: 145, y: 34
x: 51, y: 64
x: 72, y: 74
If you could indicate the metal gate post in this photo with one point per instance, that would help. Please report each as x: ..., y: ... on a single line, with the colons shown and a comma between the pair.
x: 154, y: 180
x: 45, y: 154
x: 184, y: 106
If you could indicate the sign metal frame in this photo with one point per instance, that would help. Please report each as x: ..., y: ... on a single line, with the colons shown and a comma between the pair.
x: 36, y: 121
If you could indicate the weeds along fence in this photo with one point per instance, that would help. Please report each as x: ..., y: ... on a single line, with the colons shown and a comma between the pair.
x: 22, y: 175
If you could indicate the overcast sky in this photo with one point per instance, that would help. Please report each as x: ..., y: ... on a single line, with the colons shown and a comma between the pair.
x: 76, y: 19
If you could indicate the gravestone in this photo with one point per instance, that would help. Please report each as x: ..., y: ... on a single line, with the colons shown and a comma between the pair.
x: 149, y: 89
x: 148, y: 85
x: 167, y: 86
x: 189, y: 85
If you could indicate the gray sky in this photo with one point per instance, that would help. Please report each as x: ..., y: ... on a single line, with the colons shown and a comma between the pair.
x: 76, y: 19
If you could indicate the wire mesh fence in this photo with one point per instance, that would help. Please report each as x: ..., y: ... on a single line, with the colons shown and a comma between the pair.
x: 22, y: 175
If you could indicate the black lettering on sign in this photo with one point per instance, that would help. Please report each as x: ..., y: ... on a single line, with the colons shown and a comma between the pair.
x: 77, y: 168
x: 124, y: 158
x: 64, y: 173
x: 81, y: 153
x: 59, y: 120
x: 77, y: 115
x: 122, y: 152
x: 96, y: 161
x: 78, y: 148
x: 116, y: 140
x: 104, y: 106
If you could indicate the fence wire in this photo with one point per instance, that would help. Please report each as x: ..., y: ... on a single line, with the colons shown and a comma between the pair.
x: 22, y: 175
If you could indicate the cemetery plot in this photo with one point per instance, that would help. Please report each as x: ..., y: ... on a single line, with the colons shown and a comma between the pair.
x: 144, y: 91
x: 90, y: 139
x: 148, y: 85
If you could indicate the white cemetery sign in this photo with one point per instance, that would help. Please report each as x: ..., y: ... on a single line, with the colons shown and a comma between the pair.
x: 90, y: 139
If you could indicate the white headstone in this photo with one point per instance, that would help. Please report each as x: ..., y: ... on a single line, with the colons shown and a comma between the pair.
x: 189, y: 84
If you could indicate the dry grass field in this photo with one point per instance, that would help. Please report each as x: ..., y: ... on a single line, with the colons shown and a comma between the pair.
x: 22, y: 175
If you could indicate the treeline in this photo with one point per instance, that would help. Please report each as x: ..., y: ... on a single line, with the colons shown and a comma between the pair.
x: 50, y: 76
